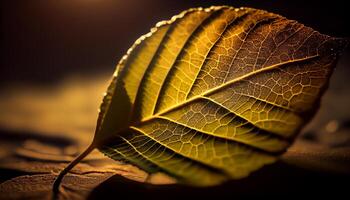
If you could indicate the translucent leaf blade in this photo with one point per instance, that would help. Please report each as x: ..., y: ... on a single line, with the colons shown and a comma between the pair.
x: 215, y: 94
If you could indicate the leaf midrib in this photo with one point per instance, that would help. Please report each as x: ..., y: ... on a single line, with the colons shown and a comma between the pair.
x: 215, y: 89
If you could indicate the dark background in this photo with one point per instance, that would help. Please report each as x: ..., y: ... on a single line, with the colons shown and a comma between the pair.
x: 45, y: 40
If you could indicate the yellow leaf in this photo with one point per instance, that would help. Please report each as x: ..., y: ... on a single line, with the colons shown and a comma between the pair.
x: 214, y: 94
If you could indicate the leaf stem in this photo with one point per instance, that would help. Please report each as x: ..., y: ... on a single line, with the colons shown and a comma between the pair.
x: 60, y: 176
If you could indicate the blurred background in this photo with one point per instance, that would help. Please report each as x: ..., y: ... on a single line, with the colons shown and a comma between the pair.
x: 43, y: 41
x: 57, y: 58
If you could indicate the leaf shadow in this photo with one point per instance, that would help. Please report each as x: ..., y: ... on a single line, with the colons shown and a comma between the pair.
x: 276, y: 180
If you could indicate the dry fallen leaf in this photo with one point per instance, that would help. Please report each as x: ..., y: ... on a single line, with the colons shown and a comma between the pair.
x: 39, y: 186
x: 28, y: 170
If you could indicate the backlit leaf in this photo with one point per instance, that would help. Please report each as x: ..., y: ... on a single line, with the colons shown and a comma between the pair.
x: 214, y: 94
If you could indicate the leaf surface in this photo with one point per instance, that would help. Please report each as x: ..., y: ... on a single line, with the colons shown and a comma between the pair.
x: 214, y: 94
